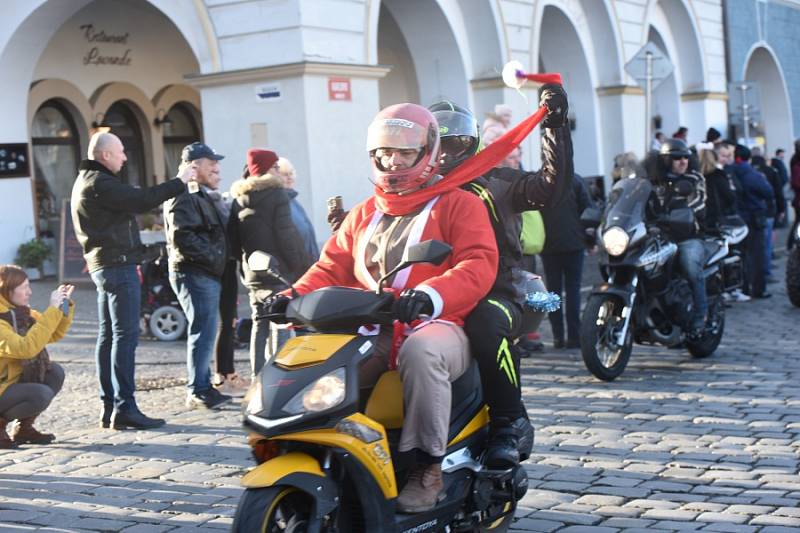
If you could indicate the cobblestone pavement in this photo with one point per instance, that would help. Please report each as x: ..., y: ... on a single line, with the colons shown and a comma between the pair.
x: 674, y: 444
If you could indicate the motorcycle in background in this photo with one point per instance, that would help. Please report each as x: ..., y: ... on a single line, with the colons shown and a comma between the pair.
x: 644, y: 298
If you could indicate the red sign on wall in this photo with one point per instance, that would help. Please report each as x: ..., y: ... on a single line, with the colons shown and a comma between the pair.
x: 339, y: 89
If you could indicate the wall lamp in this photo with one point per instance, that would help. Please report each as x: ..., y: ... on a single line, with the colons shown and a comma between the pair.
x: 162, y: 118
x: 100, y: 122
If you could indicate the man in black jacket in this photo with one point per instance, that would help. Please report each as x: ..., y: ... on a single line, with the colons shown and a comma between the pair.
x: 198, y: 253
x: 495, y: 322
x: 103, y: 209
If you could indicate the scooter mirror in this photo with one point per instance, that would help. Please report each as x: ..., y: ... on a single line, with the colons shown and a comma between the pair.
x: 261, y: 262
x: 590, y: 218
x: 431, y: 251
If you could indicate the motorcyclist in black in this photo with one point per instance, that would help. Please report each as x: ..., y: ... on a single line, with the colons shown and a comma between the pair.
x: 495, y: 322
x: 666, y: 170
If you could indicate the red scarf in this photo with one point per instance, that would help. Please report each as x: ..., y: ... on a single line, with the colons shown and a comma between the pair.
x: 472, y: 168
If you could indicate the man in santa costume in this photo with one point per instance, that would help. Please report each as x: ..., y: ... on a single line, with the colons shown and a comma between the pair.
x: 403, y: 144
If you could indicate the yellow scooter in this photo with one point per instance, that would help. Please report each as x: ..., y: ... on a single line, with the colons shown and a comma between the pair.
x: 326, y: 449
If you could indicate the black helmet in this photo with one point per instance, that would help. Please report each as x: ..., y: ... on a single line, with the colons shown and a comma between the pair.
x: 458, y: 131
x: 674, y: 147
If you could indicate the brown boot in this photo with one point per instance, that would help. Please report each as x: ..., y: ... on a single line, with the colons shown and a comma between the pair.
x: 23, y: 432
x: 5, y: 441
x: 422, y: 491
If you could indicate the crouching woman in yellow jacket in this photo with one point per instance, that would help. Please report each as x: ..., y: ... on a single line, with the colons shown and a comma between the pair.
x: 28, y: 379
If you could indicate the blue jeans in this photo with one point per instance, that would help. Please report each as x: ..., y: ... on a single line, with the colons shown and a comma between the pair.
x: 119, y: 298
x: 768, y: 247
x: 199, y: 298
x: 691, y: 255
x: 563, y: 272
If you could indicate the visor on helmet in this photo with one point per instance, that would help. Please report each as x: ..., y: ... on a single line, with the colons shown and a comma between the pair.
x: 396, y: 133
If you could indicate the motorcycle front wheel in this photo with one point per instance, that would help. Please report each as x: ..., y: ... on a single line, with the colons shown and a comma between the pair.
x: 793, y: 275
x: 272, y: 510
x: 601, y: 325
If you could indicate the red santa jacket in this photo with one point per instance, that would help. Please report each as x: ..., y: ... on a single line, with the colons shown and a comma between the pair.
x: 455, y: 287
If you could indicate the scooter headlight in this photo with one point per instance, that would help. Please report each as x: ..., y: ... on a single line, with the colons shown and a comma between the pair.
x: 615, y: 240
x: 325, y: 393
x: 253, y: 402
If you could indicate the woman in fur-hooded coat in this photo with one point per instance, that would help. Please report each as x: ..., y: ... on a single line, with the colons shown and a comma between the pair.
x: 261, y: 220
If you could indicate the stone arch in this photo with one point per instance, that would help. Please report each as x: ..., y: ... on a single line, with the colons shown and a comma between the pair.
x: 435, y: 45
x: 677, y: 24
x: 41, y: 19
x: 762, y: 65
x: 173, y: 94
x: 145, y: 113
x: 666, y: 96
x: 70, y: 97
x: 562, y: 47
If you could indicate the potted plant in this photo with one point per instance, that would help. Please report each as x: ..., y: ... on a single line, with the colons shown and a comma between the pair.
x: 32, y: 255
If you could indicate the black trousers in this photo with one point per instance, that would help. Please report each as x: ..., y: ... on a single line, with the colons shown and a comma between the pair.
x: 563, y: 273
x: 491, y: 328
x: 754, y: 280
x: 227, y: 318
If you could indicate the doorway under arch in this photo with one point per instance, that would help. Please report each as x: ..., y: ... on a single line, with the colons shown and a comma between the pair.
x: 561, y: 50
x: 666, y: 106
x: 417, y: 39
x: 776, y: 113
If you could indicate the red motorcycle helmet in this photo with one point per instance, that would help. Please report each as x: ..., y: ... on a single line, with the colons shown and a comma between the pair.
x: 404, y: 127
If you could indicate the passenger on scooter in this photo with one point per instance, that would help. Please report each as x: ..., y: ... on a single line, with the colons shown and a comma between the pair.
x: 403, y: 145
x: 495, y: 322
x: 673, y: 166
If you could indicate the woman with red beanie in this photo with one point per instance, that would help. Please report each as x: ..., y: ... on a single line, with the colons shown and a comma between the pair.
x: 261, y: 220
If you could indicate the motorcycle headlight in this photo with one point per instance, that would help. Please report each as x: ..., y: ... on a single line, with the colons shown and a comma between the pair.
x: 615, y: 240
x: 325, y: 393
x: 253, y: 402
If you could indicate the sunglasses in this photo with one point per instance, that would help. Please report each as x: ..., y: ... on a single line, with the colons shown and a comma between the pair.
x: 679, y: 157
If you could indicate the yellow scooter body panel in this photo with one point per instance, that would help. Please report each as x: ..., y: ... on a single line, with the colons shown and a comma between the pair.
x: 272, y: 471
x: 375, y: 456
x: 478, y: 421
x: 310, y: 350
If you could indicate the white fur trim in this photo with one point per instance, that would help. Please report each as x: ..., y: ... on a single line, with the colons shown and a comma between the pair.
x: 436, y: 298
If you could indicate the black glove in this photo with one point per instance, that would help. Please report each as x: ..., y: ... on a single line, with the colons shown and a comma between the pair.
x: 276, y: 305
x: 554, y: 98
x: 411, y: 304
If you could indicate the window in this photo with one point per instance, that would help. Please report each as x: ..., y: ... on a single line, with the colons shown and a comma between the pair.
x: 179, y: 130
x: 56, y: 153
x: 123, y: 123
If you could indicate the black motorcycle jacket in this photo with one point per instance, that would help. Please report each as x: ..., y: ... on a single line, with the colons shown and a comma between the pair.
x: 103, y: 209
x: 508, y: 192
x: 196, y: 237
x: 666, y: 198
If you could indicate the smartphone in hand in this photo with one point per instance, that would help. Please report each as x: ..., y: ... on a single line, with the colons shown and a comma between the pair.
x: 65, y: 306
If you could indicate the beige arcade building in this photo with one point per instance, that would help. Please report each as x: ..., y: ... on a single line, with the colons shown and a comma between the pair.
x: 305, y: 77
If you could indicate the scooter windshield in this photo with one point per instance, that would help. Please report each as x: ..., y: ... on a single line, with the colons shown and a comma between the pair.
x: 626, y: 203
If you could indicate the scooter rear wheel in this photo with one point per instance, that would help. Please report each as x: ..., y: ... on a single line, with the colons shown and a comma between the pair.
x: 272, y: 510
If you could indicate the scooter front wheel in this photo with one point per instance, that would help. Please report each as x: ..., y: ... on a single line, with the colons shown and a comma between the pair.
x: 272, y: 510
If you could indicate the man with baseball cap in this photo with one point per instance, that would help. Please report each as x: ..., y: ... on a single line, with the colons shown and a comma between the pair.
x: 198, y: 253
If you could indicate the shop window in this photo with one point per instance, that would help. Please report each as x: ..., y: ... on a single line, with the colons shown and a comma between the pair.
x: 56, y: 153
x: 179, y: 129
x: 123, y: 123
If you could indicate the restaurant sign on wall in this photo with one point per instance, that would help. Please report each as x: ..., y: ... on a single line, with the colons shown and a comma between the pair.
x: 102, y: 51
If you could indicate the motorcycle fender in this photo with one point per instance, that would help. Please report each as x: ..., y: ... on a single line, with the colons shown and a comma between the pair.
x: 298, y: 470
x: 623, y: 292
